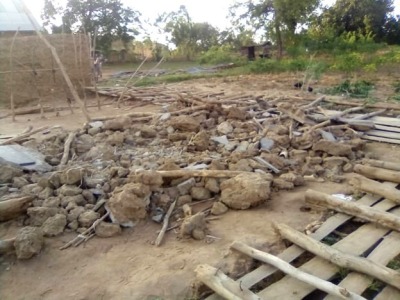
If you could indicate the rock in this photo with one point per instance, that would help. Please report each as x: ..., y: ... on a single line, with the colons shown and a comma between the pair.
x: 94, y: 180
x: 29, y: 242
x: 55, y: 225
x: 266, y: 144
x: 219, y: 208
x: 71, y: 205
x: 105, y: 230
x: 73, y: 225
x: 46, y: 193
x: 178, y: 136
x: 77, y: 199
x: 282, y: 184
x: 237, y: 113
x: 296, y: 179
x: 70, y: 190
x: 241, y: 165
x: 333, y: 148
x: 52, y: 202
x: 128, y: 203
x: 53, y: 181
x: 8, y: 171
x: 19, y: 182
x: 201, y: 141
x: 200, y: 193
x: 194, y: 226
x: 87, y: 218
x: 93, y: 131
x: 246, y: 190
x: 84, y: 143
x: 242, y: 147
x: 220, y: 140
x: 116, y: 139
x: 100, y: 151
x: 148, y: 132
x: 89, y: 197
x: 32, y: 189
x: 72, y: 176
x: 212, y: 185
x: 236, y: 264
x: 334, y: 161
x: 348, y: 168
x: 38, y: 215
x: 185, y: 187
x: 225, y: 128
x: 185, y: 199
x: 117, y: 124
x: 150, y: 178
x: 75, y: 213
x: 185, y: 123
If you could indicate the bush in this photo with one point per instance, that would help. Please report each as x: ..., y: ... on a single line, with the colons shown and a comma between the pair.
x: 348, y: 62
x: 358, y: 89
x: 219, y: 55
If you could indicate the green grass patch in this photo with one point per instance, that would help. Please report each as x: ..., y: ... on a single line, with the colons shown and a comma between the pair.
x: 358, y: 89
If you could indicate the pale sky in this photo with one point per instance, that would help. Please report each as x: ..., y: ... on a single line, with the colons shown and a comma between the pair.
x: 212, y: 11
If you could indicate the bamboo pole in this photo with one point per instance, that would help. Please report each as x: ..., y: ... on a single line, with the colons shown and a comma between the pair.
x: 59, y: 63
x: 378, y: 173
x: 12, y: 75
x: 339, y: 258
x: 371, y: 214
x: 374, y: 187
x: 222, y: 284
x: 35, y: 83
x: 287, y: 268
x: 95, y: 77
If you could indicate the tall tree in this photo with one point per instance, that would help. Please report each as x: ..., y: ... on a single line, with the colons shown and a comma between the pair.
x: 278, y: 18
x: 110, y: 18
x: 363, y: 16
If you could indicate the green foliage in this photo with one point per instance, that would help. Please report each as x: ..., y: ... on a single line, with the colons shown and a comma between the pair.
x: 348, y: 62
x: 358, y: 89
x: 220, y: 54
x: 394, y: 263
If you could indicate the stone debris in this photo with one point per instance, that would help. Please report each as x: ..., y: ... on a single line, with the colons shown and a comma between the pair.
x: 29, y: 242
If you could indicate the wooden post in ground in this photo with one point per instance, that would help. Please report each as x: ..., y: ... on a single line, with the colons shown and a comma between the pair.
x: 12, y: 76
x: 59, y: 63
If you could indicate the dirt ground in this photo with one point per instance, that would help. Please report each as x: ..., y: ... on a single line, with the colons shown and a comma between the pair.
x: 129, y: 266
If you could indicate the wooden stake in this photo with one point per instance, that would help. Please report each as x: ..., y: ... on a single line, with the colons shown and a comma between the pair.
x: 287, y: 268
x: 67, y: 147
x: 222, y: 284
x: 378, y: 173
x: 374, y: 187
x: 59, y: 63
x: 165, y: 224
x: 342, y: 259
x: 12, y: 75
x: 371, y: 214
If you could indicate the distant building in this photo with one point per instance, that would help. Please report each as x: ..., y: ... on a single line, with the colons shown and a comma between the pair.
x: 13, y: 18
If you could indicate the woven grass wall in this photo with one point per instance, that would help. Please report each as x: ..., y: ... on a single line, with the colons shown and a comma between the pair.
x: 33, y: 73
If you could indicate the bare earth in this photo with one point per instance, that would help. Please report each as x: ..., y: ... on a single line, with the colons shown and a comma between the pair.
x: 129, y: 266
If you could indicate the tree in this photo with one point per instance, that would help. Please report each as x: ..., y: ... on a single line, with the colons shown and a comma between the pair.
x: 278, y: 18
x: 188, y: 37
x: 362, y: 16
x: 392, y: 30
x: 109, y: 18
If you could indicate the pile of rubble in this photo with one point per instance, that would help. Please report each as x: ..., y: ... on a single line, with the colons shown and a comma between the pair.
x: 115, y: 173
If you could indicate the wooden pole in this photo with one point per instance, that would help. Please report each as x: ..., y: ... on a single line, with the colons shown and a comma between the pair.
x: 287, y: 268
x: 67, y: 147
x: 12, y: 75
x: 371, y: 214
x: 382, y: 164
x: 222, y: 284
x: 374, y: 187
x: 342, y: 259
x: 165, y: 224
x: 95, y: 74
x: 59, y: 63
x: 200, y: 173
x: 378, y: 173
x: 23, y: 136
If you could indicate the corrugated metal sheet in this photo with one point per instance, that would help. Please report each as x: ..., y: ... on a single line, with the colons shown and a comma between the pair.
x: 12, y: 16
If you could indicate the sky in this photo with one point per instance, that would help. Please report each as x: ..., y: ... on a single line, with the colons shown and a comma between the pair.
x: 212, y: 11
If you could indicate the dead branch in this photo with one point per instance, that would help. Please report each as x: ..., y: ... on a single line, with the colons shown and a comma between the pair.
x: 371, y: 214
x: 370, y: 115
x: 262, y: 161
x: 23, y: 136
x: 377, y: 173
x: 374, y: 187
x: 287, y: 268
x: 342, y: 259
x: 67, y: 147
x: 314, y: 103
x: 165, y: 224
x: 222, y: 284
x: 12, y: 208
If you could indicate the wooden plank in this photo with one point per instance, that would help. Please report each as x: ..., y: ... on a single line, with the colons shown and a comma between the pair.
x: 388, y: 293
x: 380, y: 139
x: 294, y: 251
x: 387, y: 121
x: 387, y: 128
x: 388, y: 249
x: 385, y: 134
x: 355, y: 243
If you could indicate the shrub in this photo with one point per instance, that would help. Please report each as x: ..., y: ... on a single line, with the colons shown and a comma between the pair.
x: 358, y: 89
x: 219, y: 55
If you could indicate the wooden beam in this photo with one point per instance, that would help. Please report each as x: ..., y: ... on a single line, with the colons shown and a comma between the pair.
x: 382, y: 164
x: 377, y: 173
x: 340, y: 258
x: 371, y: 214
